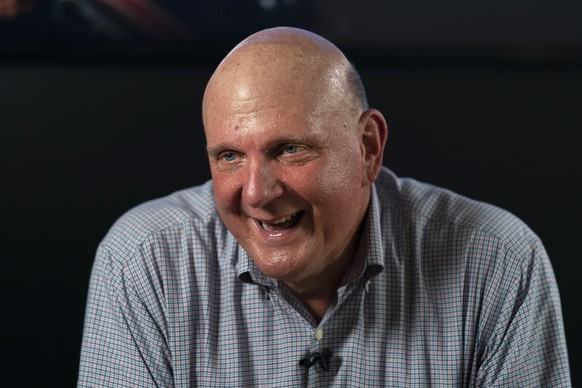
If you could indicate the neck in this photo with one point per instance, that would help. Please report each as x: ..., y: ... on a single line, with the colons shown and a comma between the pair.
x: 319, y: 292
x: 317, y: 302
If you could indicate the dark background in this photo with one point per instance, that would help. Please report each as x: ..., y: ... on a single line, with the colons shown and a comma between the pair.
x: 481, y: 97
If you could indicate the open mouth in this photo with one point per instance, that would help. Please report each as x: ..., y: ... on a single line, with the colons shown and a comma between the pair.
x: 281, y: 223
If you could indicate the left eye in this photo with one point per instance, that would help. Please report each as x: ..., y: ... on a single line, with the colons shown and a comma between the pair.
x: 291, y: 149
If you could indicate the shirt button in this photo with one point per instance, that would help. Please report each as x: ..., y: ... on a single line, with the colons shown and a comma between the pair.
x: 319, y: 334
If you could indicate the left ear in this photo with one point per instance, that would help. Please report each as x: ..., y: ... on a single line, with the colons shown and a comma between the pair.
x: 373, y: 131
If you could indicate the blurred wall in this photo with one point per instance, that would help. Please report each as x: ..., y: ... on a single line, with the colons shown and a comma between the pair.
x: 82, y: 143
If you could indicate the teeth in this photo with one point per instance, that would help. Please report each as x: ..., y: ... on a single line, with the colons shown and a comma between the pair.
x: 283, y: 219
x: 267, y: 226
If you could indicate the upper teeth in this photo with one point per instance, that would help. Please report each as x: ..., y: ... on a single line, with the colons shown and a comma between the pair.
x: 278, y: 221
x: 283, y: 219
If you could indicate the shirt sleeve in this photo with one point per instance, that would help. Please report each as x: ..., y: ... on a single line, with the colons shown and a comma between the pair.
x: 527, y: 346
x: 125, y: 336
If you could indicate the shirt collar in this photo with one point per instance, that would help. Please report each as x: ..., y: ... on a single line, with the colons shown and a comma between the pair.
x: 248, y: 272
x: 368, y: 260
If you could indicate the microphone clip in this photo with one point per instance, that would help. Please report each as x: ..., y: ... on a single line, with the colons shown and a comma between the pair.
x: 323, y: 358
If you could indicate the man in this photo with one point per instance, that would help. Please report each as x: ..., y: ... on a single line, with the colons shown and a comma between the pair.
x: 305, y: 262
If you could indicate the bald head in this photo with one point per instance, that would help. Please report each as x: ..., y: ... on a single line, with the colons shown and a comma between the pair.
x: 289, y: 64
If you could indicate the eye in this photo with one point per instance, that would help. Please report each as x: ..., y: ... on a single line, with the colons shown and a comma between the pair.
x: 291, y: 149
x: 296, y: 154
x: 229, y: 156
x: 227, y: 161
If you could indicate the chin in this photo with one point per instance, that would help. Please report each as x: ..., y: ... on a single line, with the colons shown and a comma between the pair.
x: 286, y: 266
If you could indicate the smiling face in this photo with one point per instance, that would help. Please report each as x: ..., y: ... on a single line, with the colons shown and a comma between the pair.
x: 287, y: 159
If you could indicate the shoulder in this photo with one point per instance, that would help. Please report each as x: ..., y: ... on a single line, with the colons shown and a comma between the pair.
x: 183, y: 212
x: 426, y: 205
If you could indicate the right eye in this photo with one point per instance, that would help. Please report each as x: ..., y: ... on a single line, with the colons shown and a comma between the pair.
x: 229, y: 160
x: 228, y: 156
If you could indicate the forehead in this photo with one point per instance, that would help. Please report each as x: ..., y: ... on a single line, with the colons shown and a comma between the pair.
x: 270, y: 125
x: 249, y: 87
x: 252, y: 105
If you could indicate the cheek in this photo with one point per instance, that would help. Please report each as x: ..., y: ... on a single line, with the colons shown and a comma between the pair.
x: 334, y: 184
x: 225, y: 192
x: 344, y: 171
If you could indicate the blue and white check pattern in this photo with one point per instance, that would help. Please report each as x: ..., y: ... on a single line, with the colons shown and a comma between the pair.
x: 444, y: 292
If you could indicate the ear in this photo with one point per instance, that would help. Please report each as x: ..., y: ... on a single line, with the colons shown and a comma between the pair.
x: 374, y: 132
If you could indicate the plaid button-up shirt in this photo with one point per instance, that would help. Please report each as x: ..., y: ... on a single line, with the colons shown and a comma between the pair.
x: 444, y: 291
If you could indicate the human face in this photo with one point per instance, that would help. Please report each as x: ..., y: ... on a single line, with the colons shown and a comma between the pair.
x: 288, y: 181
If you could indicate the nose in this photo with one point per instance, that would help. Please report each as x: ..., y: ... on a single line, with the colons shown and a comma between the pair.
x: 262, y: 184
